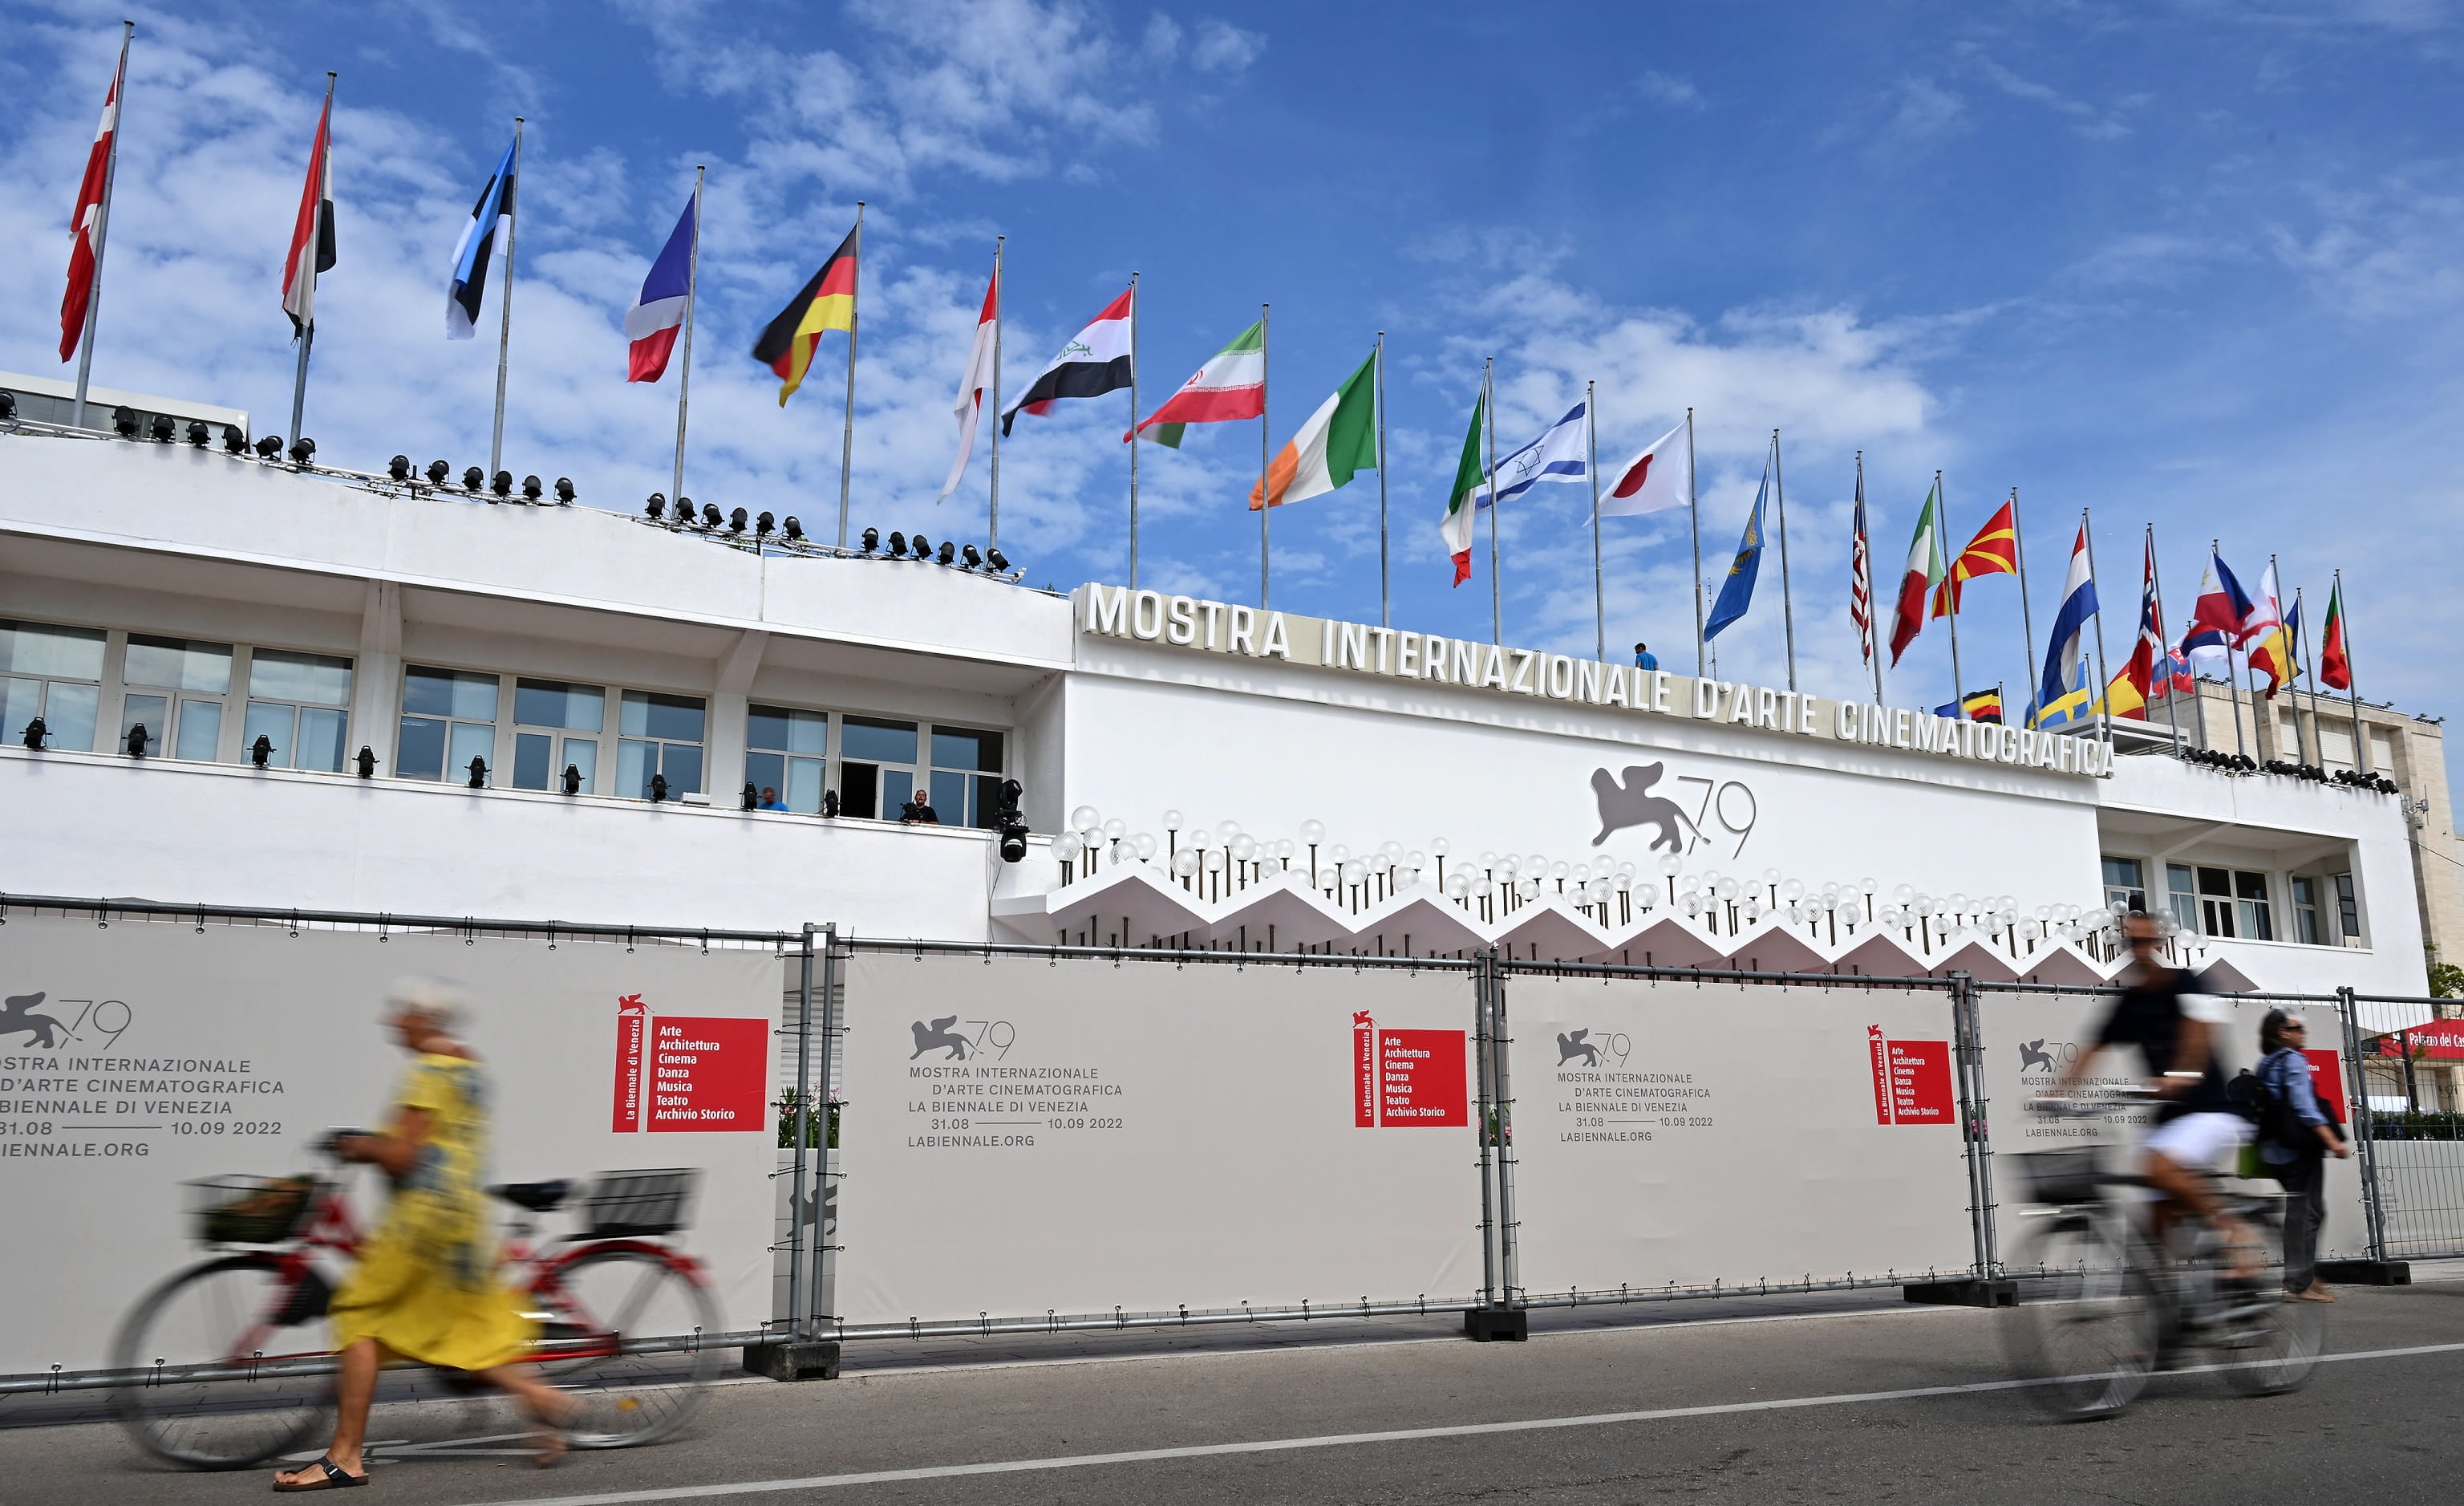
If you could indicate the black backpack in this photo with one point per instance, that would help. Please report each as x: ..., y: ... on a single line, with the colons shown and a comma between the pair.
x: 2278, y: 1124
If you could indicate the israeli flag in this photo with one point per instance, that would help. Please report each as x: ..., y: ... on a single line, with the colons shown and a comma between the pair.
x: 491, y: 217
x: 1557, y: 455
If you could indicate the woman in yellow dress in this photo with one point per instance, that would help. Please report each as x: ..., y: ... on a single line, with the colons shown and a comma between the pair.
x: 426, y: 1287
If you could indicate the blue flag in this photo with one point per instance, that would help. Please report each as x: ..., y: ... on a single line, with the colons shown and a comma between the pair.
x: 494, y: 212
x: 1737, y: 592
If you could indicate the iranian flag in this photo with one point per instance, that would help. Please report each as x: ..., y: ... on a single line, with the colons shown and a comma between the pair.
x: 1926, y: 571
x: 1339, y: 440
x: 1464, y: 506
x: 1231, y: 385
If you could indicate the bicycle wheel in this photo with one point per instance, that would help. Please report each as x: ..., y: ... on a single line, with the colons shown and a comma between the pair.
x: 2270, y: 1346
x: 231, y: 1309
x: 629, y: 1295
x: 2085, y: 1325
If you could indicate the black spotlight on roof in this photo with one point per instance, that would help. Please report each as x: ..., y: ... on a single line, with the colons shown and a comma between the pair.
x: 736, y: 521
x: 367, y: 761
x: 565, y: 491
x: 198, y: 433
x: 302, y: 449
x: 710, y: 518
x: 973, y: 558
x: 921, y: 546
x: 34, y: 734
x: 473, y: 478
x: 138, y: 737
x: 573, y: 779
x: 398, y: 468
x: 762, y: 526
x: 995, y: 559
x: 793, y: 529
x: 752, y: 796
x: 161, y: 428
x: 478, y: 772
x: 656, y: 507
x: 235, y: 439
x: 897, y: 542
x: 7, y: 404
x: 1012, y: 824
x: 659, y: 789
x: 531, y: 488
x: 503, y: 483
x: 949, y: 552
x: 437, y: 472
x: 684, y: 510
x: 124, y: 421
x: 262, y: 751
x: 830, y: 802
x: 871, y: 539
x: 269, y: 446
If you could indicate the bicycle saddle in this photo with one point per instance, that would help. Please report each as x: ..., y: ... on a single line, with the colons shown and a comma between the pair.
x: 539, y: 1197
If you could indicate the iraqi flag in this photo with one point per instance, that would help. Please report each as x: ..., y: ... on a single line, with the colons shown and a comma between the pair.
x: 978, y: 376
x: 826, y: 301
x: 85, y: 257
x: 1654, y: 481
x: 651, y: 323
x: 1231, y: 385
x: 312, y: 230
x: 492, y: 219
x: 1095, y: 362
x: 1338, y: 442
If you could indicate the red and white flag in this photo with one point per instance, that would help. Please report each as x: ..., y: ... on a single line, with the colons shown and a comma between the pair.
x: 1860, y: 574
x: 1654, y: 481
x: 312, y: 232
x: 972, y: 386
x: 93, y: 195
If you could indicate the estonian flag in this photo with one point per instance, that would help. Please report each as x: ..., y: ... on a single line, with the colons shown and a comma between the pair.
x: 490, y: 216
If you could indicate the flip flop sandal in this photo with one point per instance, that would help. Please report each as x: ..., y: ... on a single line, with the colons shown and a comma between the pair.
x: 336, y: 1479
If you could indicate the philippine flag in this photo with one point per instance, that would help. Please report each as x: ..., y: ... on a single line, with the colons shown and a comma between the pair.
x: 652, y: 322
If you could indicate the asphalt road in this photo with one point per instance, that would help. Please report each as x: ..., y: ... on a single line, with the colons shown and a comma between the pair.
x: 1745, y: 1404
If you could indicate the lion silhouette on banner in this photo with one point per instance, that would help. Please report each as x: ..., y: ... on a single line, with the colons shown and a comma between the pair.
x: 1630, y: 803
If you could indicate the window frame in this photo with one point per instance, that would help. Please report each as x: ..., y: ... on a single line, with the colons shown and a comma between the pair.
x: 170, y: 739
x: 562, y: 740
x: 699, y: 784
x: 250, y: 700
x: 448, y: 771
x: 2133, y: 895
x: 43, y: 683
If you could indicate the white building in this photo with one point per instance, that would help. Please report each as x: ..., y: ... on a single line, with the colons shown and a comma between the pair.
x: 217, y: 599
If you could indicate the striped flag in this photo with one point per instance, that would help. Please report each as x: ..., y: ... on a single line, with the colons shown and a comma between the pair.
x: 2126, y: 693
x: 1231, y: 385
x: 1339, y: 440
x: 825, y: 302
x: 1462, y: 503
x: 490, y: 216
x: 973, y: 383
x: 1860, y: 576
x: 651, y: 324
x: 1097, y: 361
x: 1924, y: 572
x: 2065, y: 646
x: 312, y: 231
x: 86, y: 223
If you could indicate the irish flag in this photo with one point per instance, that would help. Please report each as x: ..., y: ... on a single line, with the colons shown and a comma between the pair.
x: 1231, y: 385
x: 1339, y: 440
x: 1464, y: 506
x: 1926, y: 571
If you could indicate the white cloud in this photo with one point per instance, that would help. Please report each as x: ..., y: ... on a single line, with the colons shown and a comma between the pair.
x: 2088, y: 121
x: 1674, y: 90
x: 1224, y: 48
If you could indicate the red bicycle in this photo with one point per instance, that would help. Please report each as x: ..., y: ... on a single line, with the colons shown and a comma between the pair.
x: 227, y: 1361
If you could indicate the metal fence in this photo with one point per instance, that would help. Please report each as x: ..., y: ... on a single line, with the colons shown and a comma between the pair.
x: 2415, y: 1155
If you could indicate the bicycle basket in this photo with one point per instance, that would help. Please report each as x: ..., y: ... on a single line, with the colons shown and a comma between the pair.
x: 248, y: 1210
x: 2072, y: 1174
x: 628, y: 1204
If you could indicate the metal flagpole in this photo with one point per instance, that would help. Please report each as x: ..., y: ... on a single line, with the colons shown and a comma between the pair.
x: 1266, y: 460
x: 510, y: 199
x: 308, y: 326
x: 1694, y: 520
x: 1950, y: 584
x: 1385, y: 599
x: 992, y: 529
x: 2254, y: 713
x: 2309, y: 674
x: 855, y: 309
x: 2156, y: 581
x: 683, y: 373
x: 1787, y: 607
x: 2103, y: 680
x: 2232, y: 679
x: 1591, y: 465
x: 1873, y: 605
x: 1133, y: 430
x: 2026, y: 615
x: 1488, y: 419
x: 103, y: 225
x: 2352, y: 683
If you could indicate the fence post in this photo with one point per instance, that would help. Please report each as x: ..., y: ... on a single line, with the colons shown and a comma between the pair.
x: 1508, y: 1229
x: 797, y: 1355
x: 2364, y: 1131
x: 825, y: 1267
x: 1497, y: 1317
x: 1985, y: 1286
x: 1487, y: 1125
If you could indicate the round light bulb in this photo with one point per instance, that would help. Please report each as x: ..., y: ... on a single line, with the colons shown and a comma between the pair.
x: 1228, y: 830
x: 1201, y: 839
x: 1339, y: 854
x: 1172, y: 820
x: 1067, y: 847
x: 1793, y: 889
x: 1670, y: 863
x: 1457, y: 885
x: 1244, y: 847
x: 1646, y: 894
x: 1355, y: 871
x: 1904, y: 894
x: 1441, y: 846
x: 1771, y: 875
x: 1085, y: 819
x: 1144, y: 845
x: 1115, y: 828
x: 1313, y: 831
x: 1185, y: 862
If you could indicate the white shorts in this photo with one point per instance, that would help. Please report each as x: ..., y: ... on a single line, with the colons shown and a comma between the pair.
x: 2200, y: 1142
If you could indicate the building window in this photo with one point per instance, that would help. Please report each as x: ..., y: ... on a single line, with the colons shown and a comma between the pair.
x: 967, y: 775
x: 2181, y: 893
x: 784, y: 756
x: 449, y: 717
x: 2307, y: 927
x: 557, y: 727
x: 2232, y: 904
x: 54, y: 674
x: 876, y: 766
x: 2124, y: 884
x: 2215, y: 903
x: 2348, y: 908
x: 658, y: 734
x: 300, y: 704
x: 175, y: 691
x: 2249, y: 906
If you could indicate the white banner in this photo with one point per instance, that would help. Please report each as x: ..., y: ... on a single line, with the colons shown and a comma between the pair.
x: 140, y: 1055
x: 1023, y: 1136
x: 1681, y: 1133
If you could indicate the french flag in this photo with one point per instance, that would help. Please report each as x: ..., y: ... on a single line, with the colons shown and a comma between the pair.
x: 651, y: 323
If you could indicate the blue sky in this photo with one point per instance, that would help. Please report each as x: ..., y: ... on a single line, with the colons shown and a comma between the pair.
x: 2184, y: 264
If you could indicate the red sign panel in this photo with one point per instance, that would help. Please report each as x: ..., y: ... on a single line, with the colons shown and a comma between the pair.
x: 2440, y: 1040
x: 1364, y: 1071
x: 1420, y: 1079
x: 707, y: 1073
x: 2328, y: 1080
x: 1911, y: 1080
x: 632, y: 1026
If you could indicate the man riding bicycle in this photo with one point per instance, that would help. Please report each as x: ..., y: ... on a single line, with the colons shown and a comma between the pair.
x: 2197, y: 1124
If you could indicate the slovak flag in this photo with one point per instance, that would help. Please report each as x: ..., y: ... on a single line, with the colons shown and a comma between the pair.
x: 651, y: 323
x: 1654, y: 481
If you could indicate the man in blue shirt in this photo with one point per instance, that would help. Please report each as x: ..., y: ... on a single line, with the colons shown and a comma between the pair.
x: 1644, y: 658
x: 770, y: 800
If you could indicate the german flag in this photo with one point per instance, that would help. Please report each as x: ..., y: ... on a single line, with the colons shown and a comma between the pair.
x: 1994, y: 551
x: 824, y: 304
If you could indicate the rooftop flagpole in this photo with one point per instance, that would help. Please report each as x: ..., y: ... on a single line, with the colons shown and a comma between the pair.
x: 1488, y: 418
x: 1694, y: 521
x: 103, y: 225
x: 308, y: 325
x: 1385, y: 597
x: 2103, y: 678
x: 1950, y: 584
x: 1266, y: 460
x: 2352, y: 682
x: 510, y: 199
x: 2164, y: 646
x: 1592, y: 466
x: 855, y: 308
x: 683, y: 373
x: 1873, y: 607
x: 992, y: 528
x: 2301, y: 638
x: 2027, y: 613
x: 1133, y: 430
x: 1787, y: 604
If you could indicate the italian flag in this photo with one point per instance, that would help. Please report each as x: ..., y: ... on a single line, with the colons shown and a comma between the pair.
x: 2335, y: 665
x: 1231, y: 385
x: 1464, y: 506
x: 1926, y: 571
x: 1339, y: 440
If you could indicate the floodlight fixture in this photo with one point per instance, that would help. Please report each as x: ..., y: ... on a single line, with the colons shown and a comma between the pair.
x: 437, y: 472
x: 736, y: 521
x: 897, y: 543
x: 922, y: 546
x: 565, y: 491
x: 792, y: 528
x: 573, y: 779
x: 235, y: 439
x: 367, y: 761
x: 530, y: 489
x: 398, y: 468
x: 502, y: 485
x: 269, y: 446
x: 478, y: 772
x: 262, y: 751
x: 656, y: 507
x: 949, y: 552
x: 871, y: 539
x: 973, y: 558
x: 138, y: 737
x: 161, y: 428
x: 198, y: 433
x: 34, y: 734
x: 763, y: 524
x: 684, y: 510
x: 659, y: 789
x: 124, y: 421
x: 474, y: 479
x: 752, y: 796
x: 995, y: 559
x: 829, y: 804
x: 302, y: 449
x: 7, y: 404
x: 710, y: 518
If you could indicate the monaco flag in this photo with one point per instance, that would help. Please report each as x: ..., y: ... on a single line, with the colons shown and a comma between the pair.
x: 1654, y: 481
x: 93, y: 192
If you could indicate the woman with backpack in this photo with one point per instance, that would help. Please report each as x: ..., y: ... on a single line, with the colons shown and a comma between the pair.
x: 2296, y: 1153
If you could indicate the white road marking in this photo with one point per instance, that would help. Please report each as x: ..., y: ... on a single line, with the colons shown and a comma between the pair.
x: 821, y: 1482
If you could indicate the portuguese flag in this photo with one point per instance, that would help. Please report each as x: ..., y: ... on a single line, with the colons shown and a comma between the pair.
x: 826, y: 302
x: 2334, y: 666
x: 1338, y: 442
x: 1231, y: 385
x: 1462, y: 507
